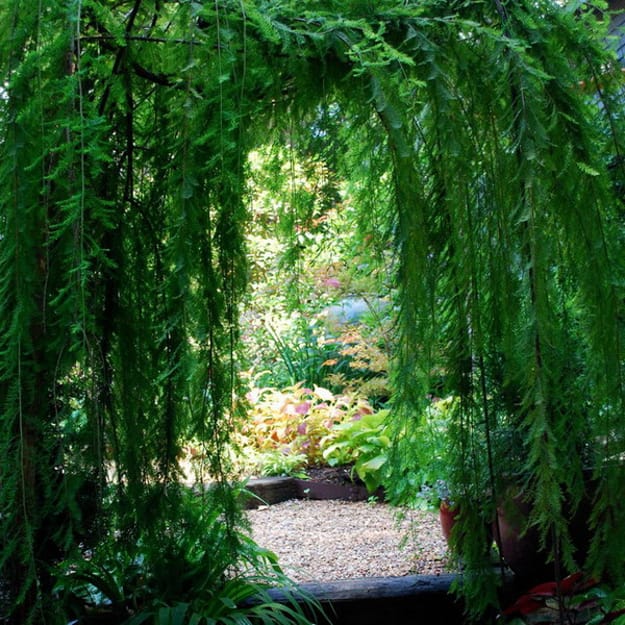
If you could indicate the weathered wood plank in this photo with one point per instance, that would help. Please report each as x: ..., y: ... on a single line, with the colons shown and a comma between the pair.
x: 423, y: 599
x: 379, y: 587
x: 270, y: 490
x: 375, y: 587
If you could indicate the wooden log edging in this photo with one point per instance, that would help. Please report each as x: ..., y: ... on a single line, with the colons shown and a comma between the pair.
x: 423, y: 599
x: 379, y: 587
x: 271, y: 490
x: 267, y: 491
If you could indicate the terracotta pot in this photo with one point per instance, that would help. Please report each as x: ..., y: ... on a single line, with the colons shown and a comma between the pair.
x: 447, y: 515
x: 521, y: 550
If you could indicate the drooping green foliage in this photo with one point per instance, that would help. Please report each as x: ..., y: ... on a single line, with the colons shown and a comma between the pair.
x: 491, y: 133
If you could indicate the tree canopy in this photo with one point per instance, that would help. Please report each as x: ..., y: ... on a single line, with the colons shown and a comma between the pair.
x: 494, y: 128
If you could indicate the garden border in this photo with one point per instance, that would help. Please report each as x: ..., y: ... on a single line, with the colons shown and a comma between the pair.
x: 271, y: 490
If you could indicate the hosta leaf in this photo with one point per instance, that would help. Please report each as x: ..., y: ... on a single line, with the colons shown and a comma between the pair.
x: 375, y: 463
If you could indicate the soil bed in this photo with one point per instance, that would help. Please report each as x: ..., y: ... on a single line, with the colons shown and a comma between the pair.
x: 332, y: 475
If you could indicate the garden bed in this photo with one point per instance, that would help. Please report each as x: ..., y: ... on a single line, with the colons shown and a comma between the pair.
x: 321, y: 483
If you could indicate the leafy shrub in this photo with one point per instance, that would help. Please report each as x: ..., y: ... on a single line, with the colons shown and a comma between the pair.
x: 574, y: 599
x: 422, y: 473
x: 364, y: 441
x: 295, y: 420
x: 360, y: 365
x: 304, y: 354
x: 350, y: 358
x: 271, y: 463
x: 201, y: 571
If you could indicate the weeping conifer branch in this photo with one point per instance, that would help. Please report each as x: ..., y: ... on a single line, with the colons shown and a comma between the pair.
x: 123, y: 257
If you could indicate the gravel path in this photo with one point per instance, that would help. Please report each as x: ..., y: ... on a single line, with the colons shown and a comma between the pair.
x: 331, y: 540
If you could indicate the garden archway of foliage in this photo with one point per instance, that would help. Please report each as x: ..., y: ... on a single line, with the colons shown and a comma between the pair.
x: 125, y: 131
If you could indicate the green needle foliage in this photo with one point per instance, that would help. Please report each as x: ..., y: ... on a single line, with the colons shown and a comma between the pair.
x: 490, y: 130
